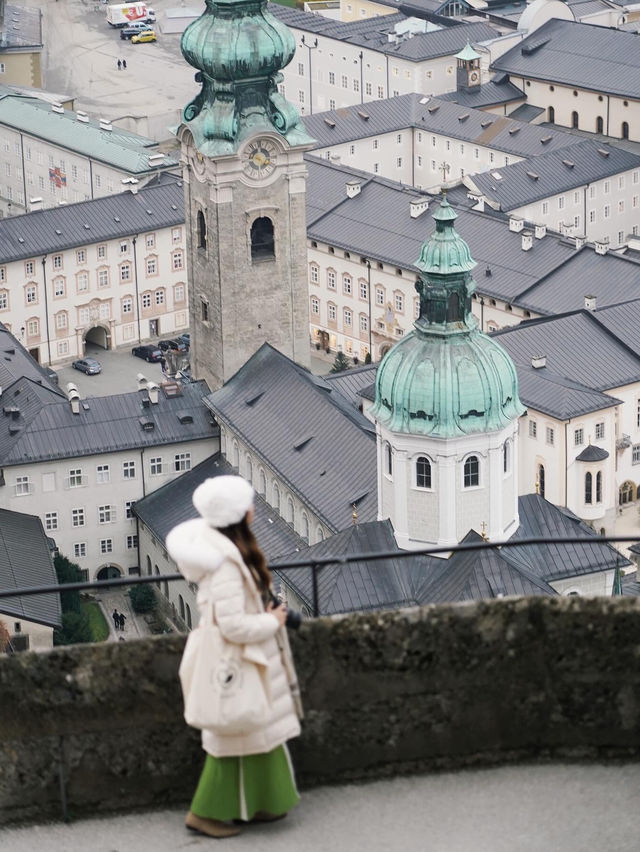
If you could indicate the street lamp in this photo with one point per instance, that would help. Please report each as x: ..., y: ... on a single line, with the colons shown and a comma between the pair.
x: 310, y: 47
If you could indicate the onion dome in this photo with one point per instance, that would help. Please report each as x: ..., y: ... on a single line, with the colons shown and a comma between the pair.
x: 239, y: 47
x: 446, y: 378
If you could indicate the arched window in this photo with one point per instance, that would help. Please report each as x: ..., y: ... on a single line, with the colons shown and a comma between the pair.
x: 574, y: 119
x: 319, y: 534
x: 202, y: 230
x: 276, y: 497
x: 291, y: 514
x: 236, y: 455
x: 471, y: 472
x: 625, y: 129
x: 149, y: 568
x: 552, y: 115
x: 249, y: 467
x: 181, y: 606
x: 588, y: 488
x: 626, y: 493
x: 188, y: 616
x: 157, y: 572
x: 599, y: 487
x: 599, y: 124
x: 165, y: 589
x: 541, y: 480
x: 423, y: 472
x: 305, y: 527
x: 262, y: 243
x: 262, y: 483
x: 506, y: 457
x: 388, y: 459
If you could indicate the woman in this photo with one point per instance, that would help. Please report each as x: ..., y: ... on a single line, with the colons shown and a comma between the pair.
x: 249, y: 776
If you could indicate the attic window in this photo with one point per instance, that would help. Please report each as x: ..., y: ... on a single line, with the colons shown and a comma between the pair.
x: 513, y: 130
x: 300, y: 445
x: 568, y: 164
x: 174, y: 207
x: 434, y: 108
x: 463, y: 117
x: 20, y: 240
x: 487, y: 123
x: 146, y: 424
x: 149, y: 212
x: 329, y: 122
x: 602, y: 152
x: 546, y: 139
x: 58, y: 231
x: 116, y: 218
x: 363, y: 115
x: 86, y: 227
x: 496, y: 175
x: 533, y: 175
x: 185, y: 417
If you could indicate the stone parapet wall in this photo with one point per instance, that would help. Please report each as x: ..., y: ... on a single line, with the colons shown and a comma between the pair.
x: 100, y: 727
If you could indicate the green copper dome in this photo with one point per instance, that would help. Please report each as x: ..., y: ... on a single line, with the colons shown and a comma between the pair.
x: 239, y: 47
x: 446, y: 378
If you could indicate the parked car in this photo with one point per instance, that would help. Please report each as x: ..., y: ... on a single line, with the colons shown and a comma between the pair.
x: 147, y: 35
x: 135, y: 28
x: 185, y: 338
x: 51, y: 375
x: 174, y: 343
x: 148, y: 352
x: 87, y: 365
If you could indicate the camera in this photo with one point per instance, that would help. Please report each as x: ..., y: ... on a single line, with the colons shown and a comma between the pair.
x: 294, y: 619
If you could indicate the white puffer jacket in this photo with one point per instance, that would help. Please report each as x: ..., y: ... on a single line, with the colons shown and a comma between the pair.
x: 208, y: 558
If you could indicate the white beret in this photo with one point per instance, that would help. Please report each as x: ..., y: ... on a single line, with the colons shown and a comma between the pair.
x: 223, y: 500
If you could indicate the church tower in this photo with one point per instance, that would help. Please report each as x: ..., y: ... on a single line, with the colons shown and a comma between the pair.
x: 245, y: 181
x: 446, y: 411
x: 468, y: 71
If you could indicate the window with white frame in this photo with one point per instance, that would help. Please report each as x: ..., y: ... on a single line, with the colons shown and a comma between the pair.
x: 380, y: 91
x: 132, y: 542
x: 50, y: 521
x: 364, y: 322
x: 103, y: 474
x: 176, y: 235
x: 125, y: 272
x: 578, y: 437
x: 379, y: 296
x: 599, y: 431
x: 31, y: 294
x: 150, y: 241
x: 159, y: 295
x: 58, y: 287
x: 347, y: 317
x: 364, y: 290
x: 127, y: 305
x: 314, y: 273
x: 101, y: 252
x: 146, y: 300
x: 77, y: 517
x: 103, y: 278
x: 550, y: 435
x: 182, y: 461
x: 106, y: 545
x: 129, y: 470
x: 177, y: 260
x: 106, y: 514
x: 22, y: 486
x: 128, y: 509
x: 61, y: 320
x: 533, y: 429
x: 423, y: 472
x: 331, y: 312
x: 57, y: 261
x: 331, y: 279
x: 347, y: 284
x: 178, y: 293
x: 82, y: 281
x: 315, y: 305
x: 399, y: 302
x: 75, y: 477
x: 79, y: 549
x: 124, y: 246
x: 635, y: 454
x: 62, y: 347
x: 155, y: 465
x: 33, y: 328
x: 471, y: 477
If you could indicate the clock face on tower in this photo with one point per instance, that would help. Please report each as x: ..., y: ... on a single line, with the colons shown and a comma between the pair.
x: 259, y: 159
x: 474, y: 77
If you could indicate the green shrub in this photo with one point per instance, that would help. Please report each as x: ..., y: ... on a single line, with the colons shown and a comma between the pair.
x: 68, y: 572
x: 142, y: 598
x: 75, y: 629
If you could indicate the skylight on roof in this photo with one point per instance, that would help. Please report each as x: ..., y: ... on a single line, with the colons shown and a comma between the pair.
x: 568, y: 164
x: 496, y: 175
x: 486, y: 123
x: 513, y: 130
x: 463, y: 117
x: 602, y: 152
x: 546, y: 139
x: 330, y: 122
x: 424, y: 101
x: 533, y: 175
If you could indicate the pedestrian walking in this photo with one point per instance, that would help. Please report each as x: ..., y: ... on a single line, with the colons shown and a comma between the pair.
x: 122, y: 618
x: 119, y: 65
x: 116, y: 619
x: 247, y: 774
x: 124, y: 64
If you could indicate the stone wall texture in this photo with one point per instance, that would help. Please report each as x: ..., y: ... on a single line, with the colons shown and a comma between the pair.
x: 98, y: 728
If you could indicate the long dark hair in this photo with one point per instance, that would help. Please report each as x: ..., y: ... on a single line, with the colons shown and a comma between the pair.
x: 243, y: 538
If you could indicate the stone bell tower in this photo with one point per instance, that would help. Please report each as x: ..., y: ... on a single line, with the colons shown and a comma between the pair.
x: 245, y: 182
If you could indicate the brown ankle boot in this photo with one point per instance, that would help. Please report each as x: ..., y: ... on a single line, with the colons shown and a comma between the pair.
x: 210, y: 827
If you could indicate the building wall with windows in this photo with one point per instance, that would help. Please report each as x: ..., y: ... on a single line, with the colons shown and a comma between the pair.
x: 85, y: 502
x: 118, y: 291
x: 355, y: 10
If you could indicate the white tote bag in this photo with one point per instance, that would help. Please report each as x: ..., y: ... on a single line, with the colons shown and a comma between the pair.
x: 223, y: 692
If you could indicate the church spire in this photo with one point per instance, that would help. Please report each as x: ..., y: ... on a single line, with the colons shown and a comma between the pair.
x: 239, y: 47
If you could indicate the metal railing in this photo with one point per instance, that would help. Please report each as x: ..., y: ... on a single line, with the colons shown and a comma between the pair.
x: 316, y: 564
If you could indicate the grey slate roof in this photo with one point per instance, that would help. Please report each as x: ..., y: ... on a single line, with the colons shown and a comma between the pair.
x: 557, y: 395
x: 552, y: 173
x: 575, y: 54
x: 433, y: 115
x: 591, y: 453
x: 171, y: 504
x: 490, y: 93
x: 622, y: 321
x: 577, y: 347
x: 351, y: 382
x: 45, y: 427
x: 25, y: 560
x: 22, y: 27
x: 372, y: 34
x: 118, y: 148
x: 526, y: 112
x: 355, y: 224
x: 292, y: 420
x: 396, y: 582
x: 157, y: 205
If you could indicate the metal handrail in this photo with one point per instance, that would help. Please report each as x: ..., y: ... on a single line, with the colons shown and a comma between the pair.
x: 319, y: 562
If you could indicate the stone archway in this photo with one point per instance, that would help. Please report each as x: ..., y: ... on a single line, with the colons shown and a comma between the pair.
x: 109, y: 572
x: 626, y: 493
x: 98, y: 335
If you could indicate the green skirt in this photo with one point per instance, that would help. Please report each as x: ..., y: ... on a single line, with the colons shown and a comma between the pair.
x: 238, y: 787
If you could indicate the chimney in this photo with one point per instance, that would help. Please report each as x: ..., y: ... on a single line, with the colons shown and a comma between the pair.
x: 142, y: 381
x: 580, y: 242
x: 590, y: 303
x: 152, y: 387
x: 353, y: 188
x: 602, y: 246
x: 539, y: 361
x: 527, y: 241
x: 35, y: 203
x: 74, y: 400
x: 541, y: 231
x: 479, y: 202
x: 516, y: 224
x: 417, y: 206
